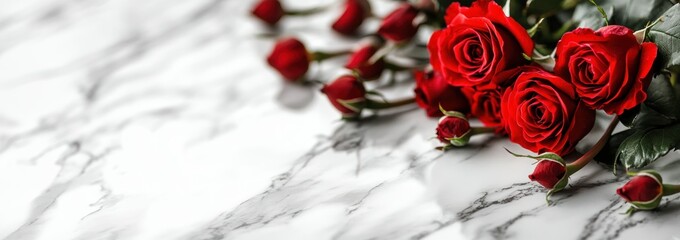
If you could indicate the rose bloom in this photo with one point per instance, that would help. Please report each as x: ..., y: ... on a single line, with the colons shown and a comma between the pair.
x: 478, y: 43
x: 641, y: 188
x: 398, y: 26
x: 347, y: 95
x: 548, y: 173
x: 542, y: 113
x: 608, y: 67
x: 451, y: 127
x: 359, y: 61
x: 485, y: 104
x: 290, y: 58
x: 269, y: 11
x: 432, y: 90
x: 353, y: 16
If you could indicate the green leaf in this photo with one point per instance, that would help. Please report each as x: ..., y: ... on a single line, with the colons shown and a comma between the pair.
x: 546, y: 8
x: 635, y: 14
x: 666, y: 35
x: 644, y: 146
x: 659, y: 109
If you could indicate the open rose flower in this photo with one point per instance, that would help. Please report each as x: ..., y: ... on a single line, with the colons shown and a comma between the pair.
x: 347, y: 95
x: 290, y: 58
x: 542, y: 113
x: 433, y: 91
x: 269, y: 11
x: 478, y: 42
x: 399, y: 26
x: 485, y: 104
x: 608, y: 67
x: 359, y: 61
x: 351, y: 19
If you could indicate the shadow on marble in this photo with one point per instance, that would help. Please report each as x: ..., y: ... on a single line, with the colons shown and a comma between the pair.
x: 295, y: 96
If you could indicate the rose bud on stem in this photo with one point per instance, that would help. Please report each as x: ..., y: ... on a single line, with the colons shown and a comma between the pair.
x: 291, y: 58
x: 400, y: 25
x: 360, y: 61
x: 271, y: 11
x: 369, y: 62
x: 356, y: 11
x: 552, y: 172
x: 454, y: 130
x: 644, y: 190
x: 348, y: 95
x: 434, y: 92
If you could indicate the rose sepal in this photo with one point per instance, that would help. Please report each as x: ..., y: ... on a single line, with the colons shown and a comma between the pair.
x: 356, y: 105
x: 452, y: 113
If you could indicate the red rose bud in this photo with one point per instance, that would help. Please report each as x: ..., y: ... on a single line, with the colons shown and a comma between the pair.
x: 351, y: 19
x: 432, y: 91
x: 478, y: 43
x: 360, y: 62
x: 347, y: 94
x: 553, y: 173
x: 608, y: 67
x: 290, y: 58
x: 548, y: 173
x: 399, y: 25
x: 643, y: 188
x: 269, y: 11
x: 454, y: 130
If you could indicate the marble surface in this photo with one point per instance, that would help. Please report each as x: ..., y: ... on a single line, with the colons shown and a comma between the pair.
x: 159, y: 119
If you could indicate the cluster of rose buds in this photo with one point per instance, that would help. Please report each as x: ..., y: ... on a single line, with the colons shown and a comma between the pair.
x: 484, y: 64
x: 366, y: 62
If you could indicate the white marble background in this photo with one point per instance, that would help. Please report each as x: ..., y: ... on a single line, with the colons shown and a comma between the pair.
x: 159, y: 119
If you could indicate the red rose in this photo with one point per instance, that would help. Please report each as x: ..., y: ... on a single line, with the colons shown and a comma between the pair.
x: 432, y: 90
x: 479, y: 42
x: 641, y: 188
x: 485, y: 104
x: 269, y: 11
x: 359, y: 61
x: 290, y: 58
x: 452, y: 127
x: 548, y: 173
x: 353, y: 16
x: 608, y: 67
x: 542, y: 113
x: 347, y: 94
x: 398, y: 26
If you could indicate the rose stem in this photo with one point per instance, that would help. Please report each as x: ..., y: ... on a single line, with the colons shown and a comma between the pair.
x: 370, y: 104
x: 585, y: 159
x: 320, y: 56
x: 670, y: 189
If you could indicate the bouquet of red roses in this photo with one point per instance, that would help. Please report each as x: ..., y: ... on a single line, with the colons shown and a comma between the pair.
x: 534, y: 71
